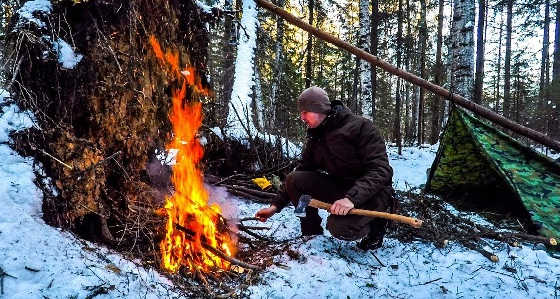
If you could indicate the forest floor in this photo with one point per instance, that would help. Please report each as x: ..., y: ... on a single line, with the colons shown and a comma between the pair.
x: 40, y: 261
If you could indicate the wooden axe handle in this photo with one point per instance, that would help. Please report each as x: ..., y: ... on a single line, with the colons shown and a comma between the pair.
x: 398, y: 218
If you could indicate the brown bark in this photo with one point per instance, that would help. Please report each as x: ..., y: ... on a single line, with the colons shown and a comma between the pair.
x: 438, y: 77
x: 423, y: 44
x: 228, y: 44
x: 507, y: 66
x: 555, y: 87
x: 397, y: 123
x: 545, y: 66
x: 479, y: 75
x: 374, y: 48
x: 499, y: 66
x: 455, y: 98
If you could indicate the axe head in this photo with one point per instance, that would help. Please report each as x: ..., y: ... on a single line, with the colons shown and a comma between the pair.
x: 303, y: 202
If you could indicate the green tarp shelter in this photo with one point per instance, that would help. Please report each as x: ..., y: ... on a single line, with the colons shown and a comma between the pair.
x: 474, y: 155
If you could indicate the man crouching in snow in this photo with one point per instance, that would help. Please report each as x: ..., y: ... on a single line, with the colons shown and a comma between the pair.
x: 344, y: 162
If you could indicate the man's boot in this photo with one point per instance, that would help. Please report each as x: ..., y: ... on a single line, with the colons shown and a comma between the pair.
x: 378, y: 228
x: 374, y: 239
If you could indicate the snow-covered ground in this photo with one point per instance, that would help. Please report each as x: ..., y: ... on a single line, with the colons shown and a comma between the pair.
x: 47, y: 262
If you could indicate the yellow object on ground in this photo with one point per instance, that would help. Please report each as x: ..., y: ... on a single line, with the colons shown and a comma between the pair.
x: 263, y: 183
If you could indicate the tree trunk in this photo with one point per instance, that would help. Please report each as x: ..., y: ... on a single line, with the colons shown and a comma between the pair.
x: 354, y: 105
x: 507, y: 66
x: 411, y: 62
x: 479, y: 76
x: 363, y: 43
x: 258, y: 107
x: 239, y: 120
x: 278, y: 68
x: 228, y: 44
x: 423, y: 44
x: 374, y: 50
x: 438, y: 77
x: 555, y: 91
x: 556, y: 61
x: 545, y: 66
x: 462, y: 47
x: 308, y: 61
x: 499, y: 66
x: 397, y: 123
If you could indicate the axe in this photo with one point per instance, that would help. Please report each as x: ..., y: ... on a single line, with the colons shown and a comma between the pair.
x: 306, y: 200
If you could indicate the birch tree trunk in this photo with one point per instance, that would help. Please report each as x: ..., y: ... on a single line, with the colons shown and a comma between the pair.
x: 423, y: 44
x: 438, y: 77
x: 507, y: 66
x: 397, y: 124
x: 479, y: 75
x: 308, y: 60
x: 258, y: 107
x: 374, y: 50
x: 462, y: 47
x: 241, y: 125
x: 365, y: 67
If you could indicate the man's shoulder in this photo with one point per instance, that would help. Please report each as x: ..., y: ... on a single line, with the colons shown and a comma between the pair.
x: 359, y: 122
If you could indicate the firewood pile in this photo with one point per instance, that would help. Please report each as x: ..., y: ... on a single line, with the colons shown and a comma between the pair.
x: 441, y: 227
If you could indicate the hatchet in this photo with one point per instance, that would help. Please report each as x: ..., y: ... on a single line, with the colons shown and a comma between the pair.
x: 306, y: 200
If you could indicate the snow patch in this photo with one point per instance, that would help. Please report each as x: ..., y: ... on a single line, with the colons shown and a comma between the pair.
x: 31, y: 8
x: 66, y: 55
x: 207, y: 9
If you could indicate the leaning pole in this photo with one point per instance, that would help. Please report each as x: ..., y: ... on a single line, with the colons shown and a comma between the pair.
x: 438, y: 90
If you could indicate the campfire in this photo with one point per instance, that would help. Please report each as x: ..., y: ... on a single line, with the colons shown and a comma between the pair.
x: 197, y: 236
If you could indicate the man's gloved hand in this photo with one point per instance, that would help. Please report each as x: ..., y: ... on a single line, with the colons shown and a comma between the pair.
x: 264, y: 214
x: 341, y: 207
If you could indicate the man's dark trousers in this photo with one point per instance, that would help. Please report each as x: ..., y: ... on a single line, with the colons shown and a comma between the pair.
x: 329, y: 189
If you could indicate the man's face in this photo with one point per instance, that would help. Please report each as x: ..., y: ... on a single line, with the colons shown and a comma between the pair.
x: 312, y: 119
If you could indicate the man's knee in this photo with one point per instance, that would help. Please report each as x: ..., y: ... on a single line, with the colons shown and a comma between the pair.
x: 296, y: 176
x: 346, y: 228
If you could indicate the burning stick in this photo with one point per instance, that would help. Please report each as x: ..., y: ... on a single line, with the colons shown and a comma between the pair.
x: 190, y: 234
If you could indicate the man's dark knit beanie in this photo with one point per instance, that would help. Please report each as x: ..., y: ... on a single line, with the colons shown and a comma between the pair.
x: 314, y: 99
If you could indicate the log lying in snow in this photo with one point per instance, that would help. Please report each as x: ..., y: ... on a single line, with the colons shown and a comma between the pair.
x: 438, y: 90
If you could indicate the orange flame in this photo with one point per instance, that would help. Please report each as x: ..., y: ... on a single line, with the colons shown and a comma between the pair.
x: 188, y: 207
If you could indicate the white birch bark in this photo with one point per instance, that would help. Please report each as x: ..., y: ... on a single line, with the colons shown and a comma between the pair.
x: 239, y: 120
x: 462, y: 47
x: 259, y: 108
x: 365, y: 68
